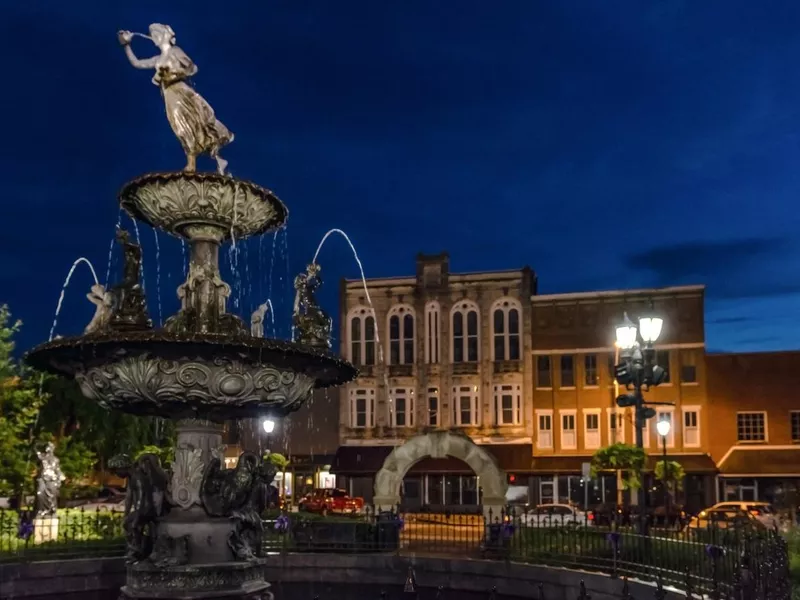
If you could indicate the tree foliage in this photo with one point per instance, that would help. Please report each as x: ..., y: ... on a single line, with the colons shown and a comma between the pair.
x: 674, y: 473
x: 279, y: 460
x: 627, y: 458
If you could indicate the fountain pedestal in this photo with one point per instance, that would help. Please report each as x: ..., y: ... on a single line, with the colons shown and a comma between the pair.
x: 194, y: 554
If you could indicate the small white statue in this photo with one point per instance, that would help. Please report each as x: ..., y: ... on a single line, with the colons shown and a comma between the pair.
x: 257, y: 321
x: 103, y: 301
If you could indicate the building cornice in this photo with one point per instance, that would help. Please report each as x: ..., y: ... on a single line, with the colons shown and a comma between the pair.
x: 621, y: 294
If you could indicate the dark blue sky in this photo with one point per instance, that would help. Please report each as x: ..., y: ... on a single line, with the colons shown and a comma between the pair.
x: 606, y: 144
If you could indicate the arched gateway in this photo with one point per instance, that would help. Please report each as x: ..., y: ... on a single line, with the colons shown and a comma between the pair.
x: 440, y: 445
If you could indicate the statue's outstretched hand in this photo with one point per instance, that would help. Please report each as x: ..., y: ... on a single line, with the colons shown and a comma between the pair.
x: 124, y: 37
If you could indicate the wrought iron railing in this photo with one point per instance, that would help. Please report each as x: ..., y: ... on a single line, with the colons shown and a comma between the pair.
x: 719, y: 563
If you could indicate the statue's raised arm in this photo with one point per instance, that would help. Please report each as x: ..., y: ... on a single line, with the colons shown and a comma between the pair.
x: 192, y: 119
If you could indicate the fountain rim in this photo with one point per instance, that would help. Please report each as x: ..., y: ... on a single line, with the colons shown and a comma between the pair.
x: 127, y: 192
x: 106, y: 347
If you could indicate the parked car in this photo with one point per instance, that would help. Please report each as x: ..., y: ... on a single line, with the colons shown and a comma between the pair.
x: 326, y: 501
x: 763, y: 511
x: 554, y: 515
x: 724, y: 518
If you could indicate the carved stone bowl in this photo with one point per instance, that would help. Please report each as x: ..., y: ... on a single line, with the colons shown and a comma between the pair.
x: 181, y: 203
x: 192, y: 375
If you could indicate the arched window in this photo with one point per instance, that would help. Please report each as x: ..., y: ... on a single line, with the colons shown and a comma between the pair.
x: 361, y: 335
x: 506, y: 329
x: 432, y: 332
x: 401, y: 335
x: 465, y: 322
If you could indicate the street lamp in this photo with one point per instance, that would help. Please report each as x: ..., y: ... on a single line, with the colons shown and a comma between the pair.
x: 663, y: 427
x: 637, y: 371
x: 268, y: 425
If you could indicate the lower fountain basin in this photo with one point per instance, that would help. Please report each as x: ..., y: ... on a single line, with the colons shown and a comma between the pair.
x: 192, y: 375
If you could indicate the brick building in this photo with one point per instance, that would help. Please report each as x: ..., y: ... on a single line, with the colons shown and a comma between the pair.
x: 529, y: 378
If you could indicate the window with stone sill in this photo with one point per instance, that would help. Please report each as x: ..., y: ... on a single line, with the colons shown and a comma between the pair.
x: 567, y: 362
x: 433, y: 407
x: 508, y: 404
x: 465, y: 406
x: 465, y: 332
x: 401, y: 335
x: 361, y: 334
x: 432, y: 329
x: 751, y: 426
x: 506, y: 329
x: 590, y: 377
x: 402, y: 407
x: 362, y: 407
x: 544, y: 375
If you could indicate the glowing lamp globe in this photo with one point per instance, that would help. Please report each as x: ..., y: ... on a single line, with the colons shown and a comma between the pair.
x: 626, y: 334
x: 268, y: 425
x: 663, y: 427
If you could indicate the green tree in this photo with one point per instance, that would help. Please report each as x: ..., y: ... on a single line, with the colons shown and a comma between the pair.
x: 279, y: 460
x: 20, y: 402
x: 674, y: 474
x: 626, y: 459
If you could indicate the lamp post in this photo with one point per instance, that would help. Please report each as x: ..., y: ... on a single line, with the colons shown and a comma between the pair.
x: 638, y: 371
x: 663, y: 427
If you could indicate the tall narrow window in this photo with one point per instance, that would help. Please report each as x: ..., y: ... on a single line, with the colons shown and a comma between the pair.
x: 465, y: 406
x: 544, y: 375
x: 403, y: 407
x: 544, y: 421
x: 567, y: 371
x: 506, y: 329
x: 663, y: 360
x: 590, y: 370
x: 432, y: 332
x: 691, y: 426
x: 591, y: 433
x: 465, y: 332
x: 362, y: 407
x: 433, y: 407
x: 688, y: 366
x: 401, y: 335
x: 616, y: 426
x: 361, y: 333
x: 508, y: 404
x: 666, y: 415
x: 569, y: 438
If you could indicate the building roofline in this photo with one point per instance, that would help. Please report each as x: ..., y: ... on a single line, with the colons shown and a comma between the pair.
x: 453, y: 277
x: 677, y: 289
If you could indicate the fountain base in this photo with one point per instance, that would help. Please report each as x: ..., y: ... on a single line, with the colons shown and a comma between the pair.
x: 212, y: 581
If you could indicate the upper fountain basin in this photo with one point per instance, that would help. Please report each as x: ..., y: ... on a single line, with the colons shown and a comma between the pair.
x: 194, y: 205
x: 192, y: 375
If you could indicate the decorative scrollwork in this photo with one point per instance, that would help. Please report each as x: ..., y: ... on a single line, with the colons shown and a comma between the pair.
x: 218, y: 387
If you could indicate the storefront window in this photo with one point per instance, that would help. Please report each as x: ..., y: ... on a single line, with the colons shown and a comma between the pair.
x: 435, y: 489
x: 452, y: 489
x: 469, y: 490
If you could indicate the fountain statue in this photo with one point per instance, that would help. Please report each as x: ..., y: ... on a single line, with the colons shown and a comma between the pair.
x: 257, y: 320
x: 193, y: 527
x: 48, y: 485
x: 312, y: 326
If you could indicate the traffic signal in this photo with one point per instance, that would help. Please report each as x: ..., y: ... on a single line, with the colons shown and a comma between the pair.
x: 647, y: 413
x: 626, y: 400
x: 511, y: 478
x: 623, y: 374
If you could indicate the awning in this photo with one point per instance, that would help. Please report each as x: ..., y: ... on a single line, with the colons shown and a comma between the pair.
x: 754, y: 461
x: 363, y: 460
x: 573, y: 465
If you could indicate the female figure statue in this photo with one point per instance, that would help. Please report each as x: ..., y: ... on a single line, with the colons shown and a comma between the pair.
x: 48, y: 483
x: 190, y: 116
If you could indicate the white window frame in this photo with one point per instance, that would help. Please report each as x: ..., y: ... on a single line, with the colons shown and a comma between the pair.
x: 536, y: 369
x: 568, y: 413
x: 686, y: 430
x: 433, y: 394
x: 401, y: 311
x: 506, y: 305
x: 407, y: 395
x: 362, y: 313
x: 619, y: 437
x: 667, y: 410
x: 561, y: 385
x: 465, y: 307
x: 514, y: 390
x: 598, y: 413
x: 544, y: 437
x: 433, y: 329
x: 645, y: 431
x: 368, y: 394
x: 472, y: 393
x: 766, y: 426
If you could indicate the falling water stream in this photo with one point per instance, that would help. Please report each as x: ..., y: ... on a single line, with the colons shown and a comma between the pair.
x: 158, y: 275
x: 64, y: 290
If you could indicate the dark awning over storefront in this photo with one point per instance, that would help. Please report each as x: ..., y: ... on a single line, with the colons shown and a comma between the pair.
x: 363, y: 460
x: 572, y: 465
x: 750, y: 461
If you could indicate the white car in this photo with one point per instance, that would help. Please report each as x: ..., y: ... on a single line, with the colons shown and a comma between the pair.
x: 554, y: 515
x: 762, y: 511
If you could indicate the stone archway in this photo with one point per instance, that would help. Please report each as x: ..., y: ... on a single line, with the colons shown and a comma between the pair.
x: 440, y: 445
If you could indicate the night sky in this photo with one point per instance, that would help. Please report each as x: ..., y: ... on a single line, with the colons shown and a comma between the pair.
x: 606, y: 144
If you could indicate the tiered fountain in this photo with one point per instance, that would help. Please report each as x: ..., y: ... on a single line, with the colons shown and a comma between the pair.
x: 194, y: 529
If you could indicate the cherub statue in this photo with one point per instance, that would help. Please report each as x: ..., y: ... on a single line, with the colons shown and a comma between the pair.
x: 312, y: 326
x: 192, y: 119
x: 103, y: 301
x: 144, y: 503
x: 257, y: 321
x: 48, y: 483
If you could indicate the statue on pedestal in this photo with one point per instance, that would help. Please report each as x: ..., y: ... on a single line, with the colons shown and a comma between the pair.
x: 129, y: 307
x: 48, y: 483
x: 312, y: 326
x: 192, y: 119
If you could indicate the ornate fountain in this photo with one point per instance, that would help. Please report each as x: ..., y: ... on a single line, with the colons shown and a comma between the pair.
x: 193, y: 529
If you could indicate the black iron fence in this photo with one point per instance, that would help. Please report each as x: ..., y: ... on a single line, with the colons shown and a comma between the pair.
x: 740, y: 562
